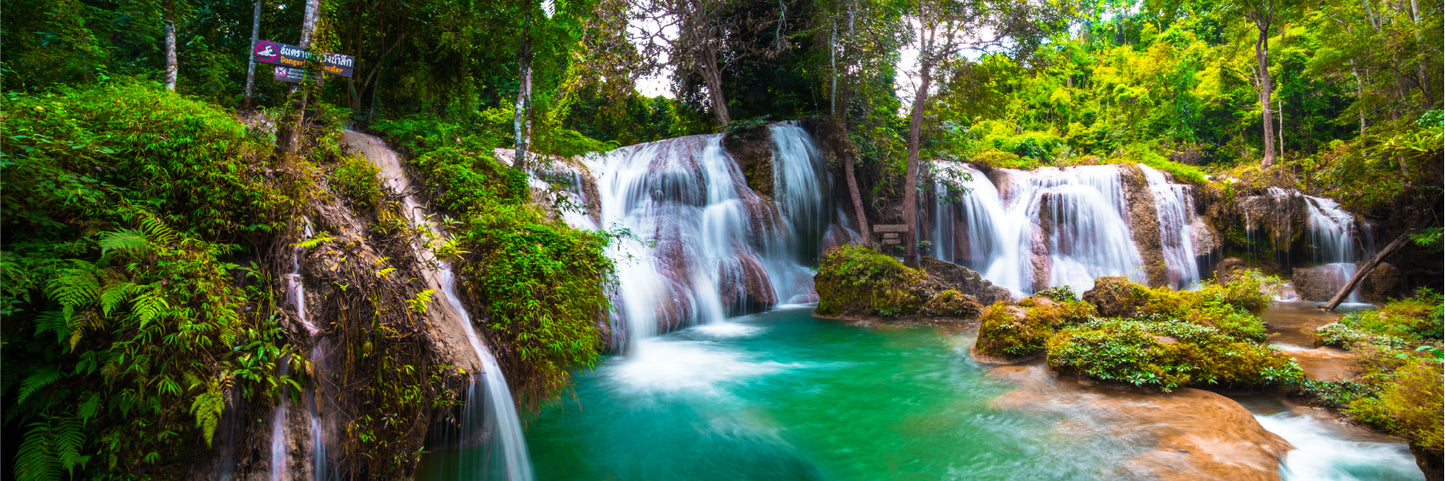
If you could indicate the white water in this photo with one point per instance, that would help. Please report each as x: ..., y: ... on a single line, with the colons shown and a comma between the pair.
x: 1004, y: 235
x: 500, y: 411
x: 1327, y: 451
x: 1175, y: 203
x: 1331, y: 232
x: 704, y: 245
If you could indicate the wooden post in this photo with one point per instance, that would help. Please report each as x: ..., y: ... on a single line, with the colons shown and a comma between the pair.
x: 1366, y: 270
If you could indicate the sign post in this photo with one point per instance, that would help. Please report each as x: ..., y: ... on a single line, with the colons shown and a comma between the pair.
x: 290, y: 61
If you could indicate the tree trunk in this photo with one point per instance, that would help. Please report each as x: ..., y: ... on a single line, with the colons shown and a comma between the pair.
x: 910, y: 177
x: 848, y: 161
x: 712, y: 74
x: 308, y: 22
x: 524, y: 96
x: 171, y: 67
x: 1359, y: 94
x: 1261, y: 54
x: 251, y: 56
x: 1365, y: 271
x: 833, y: 67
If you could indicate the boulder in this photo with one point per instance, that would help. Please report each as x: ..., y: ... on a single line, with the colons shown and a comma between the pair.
x: 965, y: 281
x: 1318, y: 284
x: 951, y: 303
x: 1229, y: 268
x: 1144, y: 224
x: 1382, y: 283
x: 1115, y: 296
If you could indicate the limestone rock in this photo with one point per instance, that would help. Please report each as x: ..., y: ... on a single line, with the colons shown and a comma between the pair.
x: 1229, y: 268
x: 1382, y: 283
x: 1115, y: 296
x: 951, y: 303
x: 1144, y: 224
x: 965, y: 281
x: 1318, y: 284
x: 753, y: 150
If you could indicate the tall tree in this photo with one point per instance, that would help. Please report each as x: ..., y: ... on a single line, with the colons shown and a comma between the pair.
x: 169, y: 11
x: 251, y: 56
x: 1262, y: 14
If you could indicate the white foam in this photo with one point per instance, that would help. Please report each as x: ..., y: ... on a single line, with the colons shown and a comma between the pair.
x: 699, y: 367
x: 1325, y: 451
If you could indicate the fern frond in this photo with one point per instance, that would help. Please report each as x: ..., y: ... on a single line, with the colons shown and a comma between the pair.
x: 35, y: 460
x: 158, y: 230
x: 36, y: 381
x: 114, y: 295
x: 67, y: 439
x: 52, y: 321
x: 74, y: 288
x: 208, y: 408
x: 149, y: 306
x: 129, y: 241
x: 89, y: 409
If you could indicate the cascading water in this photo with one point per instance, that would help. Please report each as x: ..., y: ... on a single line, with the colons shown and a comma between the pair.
x: 1175, y: 203
x: 491, y: 406
x: 704, y: 245
x: 1331, y: 232
x: 1054, y: 227
x: 279, y: 432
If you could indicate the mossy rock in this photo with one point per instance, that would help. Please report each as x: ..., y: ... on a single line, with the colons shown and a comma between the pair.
x: 855, y: 280
x: 951, y: 303
x: 1116, y: 296
x: 1019, y: 331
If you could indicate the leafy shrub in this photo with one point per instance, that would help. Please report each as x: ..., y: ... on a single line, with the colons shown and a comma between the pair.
x: 858, y: 280
x: 1023, y: 330
x: 1231, y: 307
x: 1412, y: 318
x: 1166, y: 354
x: 356, y: 178
x: 1335, y: 394
x: 127, y: 316
x: 1409, y: 405
x: 1341, y: 335
x: 1062, y: 293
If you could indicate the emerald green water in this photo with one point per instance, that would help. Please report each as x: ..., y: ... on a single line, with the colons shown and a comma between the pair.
x: 782, y: 396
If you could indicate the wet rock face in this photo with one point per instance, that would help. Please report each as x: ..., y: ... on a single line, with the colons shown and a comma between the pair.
x: 753, y: 151
x: 1199, y: 435
x: 1278, y: 218
x: 1114, y: 297
x: 965, y: 281
x: 1144, y: 224
x: 1382, y: 283
x: 1317, y: 284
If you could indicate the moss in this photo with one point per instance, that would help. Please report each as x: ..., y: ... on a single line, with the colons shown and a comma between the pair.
x: 951, y: 303
x: 1231, y: 307
x: 1116, y: 296
x: 1167, y: 354
x: 1023, y: 330
x: 1058, y: 293
x: 854, y: 280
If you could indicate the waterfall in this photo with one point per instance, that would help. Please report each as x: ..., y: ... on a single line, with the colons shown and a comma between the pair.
x: 493, y: 402
x: 703, y: 245
x: 1331, y: 233
x: 1175, y: 203
x: 279, y: 432
x: 1056, y: 226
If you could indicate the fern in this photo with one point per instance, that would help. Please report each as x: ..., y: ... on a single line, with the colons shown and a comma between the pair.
x: 74, y: 288
x: 67, y: 439
x: 36, y: 381
x: 149, y: 306
x: 419, y: 302
x: 114, y: 295
x: 129, y: 241
x: 158, y: 230
x: 207, y: 408
x: 35, y: 460
x: 315, y: 241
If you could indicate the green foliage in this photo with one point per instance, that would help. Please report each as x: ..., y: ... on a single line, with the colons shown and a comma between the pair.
x: 951, y: 303
x: 1023, y: 330
x: 539, y: 285
x: 1167, y: 354
x: 1414, y: 319
x: 123, y: 210
x: 1062, y: 293
x: 856, y: 280
x: 1409, y: 405
x: 356, y: 178
x: 1335, y: 394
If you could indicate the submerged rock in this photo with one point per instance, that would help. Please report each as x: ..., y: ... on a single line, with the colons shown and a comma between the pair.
x: 1195, y: 434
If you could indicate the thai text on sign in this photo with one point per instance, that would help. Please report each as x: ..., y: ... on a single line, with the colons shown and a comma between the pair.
x: 291, y: 56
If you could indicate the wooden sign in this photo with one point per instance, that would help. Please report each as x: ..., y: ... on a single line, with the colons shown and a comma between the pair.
x: 890, y: 228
